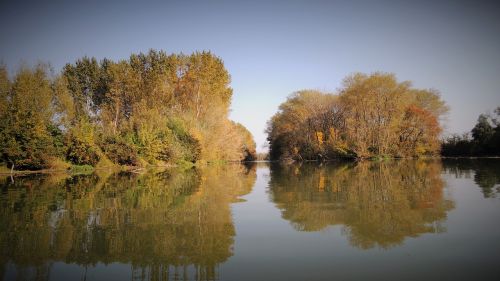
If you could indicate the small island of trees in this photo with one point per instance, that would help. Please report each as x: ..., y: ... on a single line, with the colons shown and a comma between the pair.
x: 371, y: 116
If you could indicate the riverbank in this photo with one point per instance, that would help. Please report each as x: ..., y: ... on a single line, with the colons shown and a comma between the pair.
x: 374, y: 159
x: 83, y: 169
x: 87, y: 169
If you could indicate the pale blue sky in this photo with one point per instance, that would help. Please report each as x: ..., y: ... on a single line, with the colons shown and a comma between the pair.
x: 273, y: 48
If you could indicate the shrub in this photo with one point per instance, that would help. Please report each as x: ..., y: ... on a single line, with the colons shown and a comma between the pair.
x: 183, y: 145
x: 81, y: 153
x: 120, y: 152
x: 55, y: 163
x: 82, y: 169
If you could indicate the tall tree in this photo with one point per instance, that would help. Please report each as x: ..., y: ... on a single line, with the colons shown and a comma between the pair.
x: 87, y: 82
x: 27, y: 141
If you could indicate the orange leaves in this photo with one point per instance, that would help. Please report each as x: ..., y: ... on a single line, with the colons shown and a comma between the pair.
x: 419, y: 131
x: 373, y: 115
x: 319, y: 137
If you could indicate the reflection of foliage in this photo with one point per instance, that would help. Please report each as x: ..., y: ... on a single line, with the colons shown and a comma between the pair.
x: 378, y: 203
x: 486, y: 172
x: 154, y: 221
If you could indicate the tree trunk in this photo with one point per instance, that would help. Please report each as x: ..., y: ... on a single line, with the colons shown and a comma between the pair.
x: 198, y: 103
x: 116, y: 118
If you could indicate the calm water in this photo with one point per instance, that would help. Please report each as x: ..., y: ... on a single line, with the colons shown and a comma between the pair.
x: 399, y: 220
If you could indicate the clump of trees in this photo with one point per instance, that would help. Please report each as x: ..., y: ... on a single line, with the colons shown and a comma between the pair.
x: 371, y: 116
x: 152, y: 108
x: 483, y: 139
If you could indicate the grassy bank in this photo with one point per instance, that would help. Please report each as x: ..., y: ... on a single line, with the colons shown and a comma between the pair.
x: 88, y: 169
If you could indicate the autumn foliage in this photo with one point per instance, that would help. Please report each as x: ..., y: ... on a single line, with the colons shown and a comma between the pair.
x: 153, y: 108
x: 371, y: 116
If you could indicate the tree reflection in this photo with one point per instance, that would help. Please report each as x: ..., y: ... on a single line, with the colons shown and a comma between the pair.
x: 485, y: 171
x: 378, y: 204
x: 165, y: 224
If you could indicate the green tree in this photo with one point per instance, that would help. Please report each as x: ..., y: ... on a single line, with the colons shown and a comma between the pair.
x: 26, y: 137
x: 482, y: 133
x: 485, y: 139
x: 88, y: 84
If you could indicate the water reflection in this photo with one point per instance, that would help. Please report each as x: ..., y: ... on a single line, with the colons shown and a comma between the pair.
x: 485, y: 171
x: 164, y: 224
x: 378, y: 204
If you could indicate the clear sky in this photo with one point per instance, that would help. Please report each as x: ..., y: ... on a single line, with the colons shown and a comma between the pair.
x: 273, y: 48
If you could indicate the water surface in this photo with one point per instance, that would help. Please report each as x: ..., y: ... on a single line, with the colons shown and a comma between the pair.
x: 396, y: 220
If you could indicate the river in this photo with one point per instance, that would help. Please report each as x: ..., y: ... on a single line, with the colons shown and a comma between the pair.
x: 394, y: 220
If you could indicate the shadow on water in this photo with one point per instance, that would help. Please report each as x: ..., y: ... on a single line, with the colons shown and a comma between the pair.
x: 166, y: 225
x: 376, y: 203
x: 484, y: 171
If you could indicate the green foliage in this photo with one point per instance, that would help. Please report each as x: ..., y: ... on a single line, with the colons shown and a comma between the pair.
x: 483, y: 131
x: 184, y: 165
x: 81, y: 169
x: 457, y: 145
x: 57, y: 136
x: 81, y: 153
x: 184, y: 146
x: 81, y: 148
x: 25, y: 129
x: 485, y: 140
x: 152, y: 108
x: 4, y: 169
x: 87, y: 83
x: 119, y: 151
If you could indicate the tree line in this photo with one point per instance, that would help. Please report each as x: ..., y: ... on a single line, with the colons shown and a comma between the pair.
x: 482, y: 140
x: 153, y: 108
x: 370, y: 116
